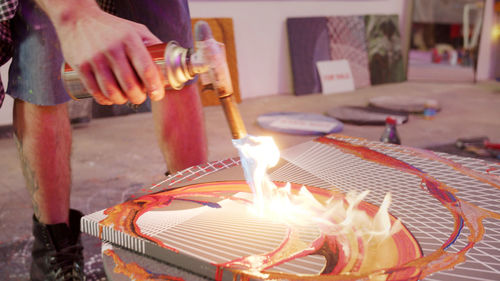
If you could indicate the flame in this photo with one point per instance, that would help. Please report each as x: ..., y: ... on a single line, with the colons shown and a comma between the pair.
x: 338, y: 216
x: 257, y: 155
x: 495, y: 32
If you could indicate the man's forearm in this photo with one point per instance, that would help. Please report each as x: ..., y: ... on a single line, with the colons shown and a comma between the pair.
x: 108, y: 52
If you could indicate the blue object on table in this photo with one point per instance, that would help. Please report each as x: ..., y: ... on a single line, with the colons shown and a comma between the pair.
x: 298, y: 123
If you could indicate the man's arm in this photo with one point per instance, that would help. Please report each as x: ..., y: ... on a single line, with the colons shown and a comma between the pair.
x: 109, y: 52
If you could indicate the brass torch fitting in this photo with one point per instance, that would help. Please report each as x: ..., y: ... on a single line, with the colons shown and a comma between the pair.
x: 233, y: 116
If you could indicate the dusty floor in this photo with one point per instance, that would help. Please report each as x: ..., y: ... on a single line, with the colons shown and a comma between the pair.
x: 113, y: 157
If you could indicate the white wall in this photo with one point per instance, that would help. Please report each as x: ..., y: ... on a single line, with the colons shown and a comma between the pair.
x: 261, y: 38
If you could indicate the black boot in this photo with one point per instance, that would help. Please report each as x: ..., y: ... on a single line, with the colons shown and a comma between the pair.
x: 57, y: 250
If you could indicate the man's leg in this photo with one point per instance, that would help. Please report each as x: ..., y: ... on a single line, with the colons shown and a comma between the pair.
x: 43, y: 136
x: 180, y: 128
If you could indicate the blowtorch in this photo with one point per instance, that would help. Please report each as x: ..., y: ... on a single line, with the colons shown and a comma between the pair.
x: 179, y: 65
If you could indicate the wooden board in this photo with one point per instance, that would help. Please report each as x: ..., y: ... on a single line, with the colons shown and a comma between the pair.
x: 431, y: 194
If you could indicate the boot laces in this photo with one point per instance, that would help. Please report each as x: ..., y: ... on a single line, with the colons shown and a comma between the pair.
x: 66, y: 264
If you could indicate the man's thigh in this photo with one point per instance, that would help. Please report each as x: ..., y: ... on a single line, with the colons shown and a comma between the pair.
x: 35, y: 71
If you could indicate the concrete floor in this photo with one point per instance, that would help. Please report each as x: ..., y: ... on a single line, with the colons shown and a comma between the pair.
x: 113, y: 157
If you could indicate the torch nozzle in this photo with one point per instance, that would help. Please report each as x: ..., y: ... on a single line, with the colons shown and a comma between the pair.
x: 233, y: 117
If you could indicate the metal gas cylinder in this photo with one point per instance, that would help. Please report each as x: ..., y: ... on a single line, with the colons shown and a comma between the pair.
x: 178, y: 65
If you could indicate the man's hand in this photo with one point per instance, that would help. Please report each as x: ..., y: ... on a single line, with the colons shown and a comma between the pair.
x: 108, y: 52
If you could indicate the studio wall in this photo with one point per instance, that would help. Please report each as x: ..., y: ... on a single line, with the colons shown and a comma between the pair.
x: 261, y: 36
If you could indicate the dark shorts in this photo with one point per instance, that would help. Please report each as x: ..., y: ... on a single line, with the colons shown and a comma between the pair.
x: 35, y: 72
